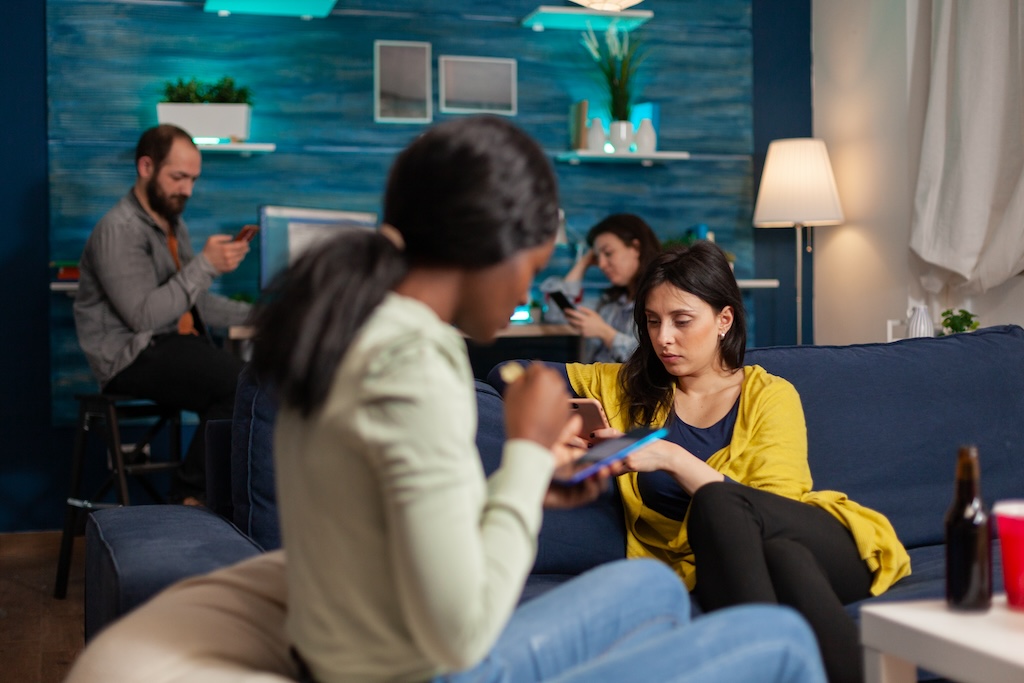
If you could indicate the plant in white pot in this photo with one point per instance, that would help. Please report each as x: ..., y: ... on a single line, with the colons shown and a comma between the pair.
x: 207, y: 110
x: 617, y: 59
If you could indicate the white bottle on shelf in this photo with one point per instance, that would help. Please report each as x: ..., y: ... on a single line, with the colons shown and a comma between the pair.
x: 595, y: 136
x: 646, y: 139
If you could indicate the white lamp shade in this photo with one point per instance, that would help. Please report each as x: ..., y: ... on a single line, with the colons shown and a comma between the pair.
x: 797, y: 186
x: 608, y: 5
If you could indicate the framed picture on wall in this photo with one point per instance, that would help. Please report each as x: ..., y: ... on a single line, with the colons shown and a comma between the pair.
x: 471, y: 85
x: 402, y: 90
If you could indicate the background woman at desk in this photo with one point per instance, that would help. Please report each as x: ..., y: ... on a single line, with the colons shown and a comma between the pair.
x: 621, y: 245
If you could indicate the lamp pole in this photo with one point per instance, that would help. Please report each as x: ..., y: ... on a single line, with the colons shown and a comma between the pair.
x: 799, y: 284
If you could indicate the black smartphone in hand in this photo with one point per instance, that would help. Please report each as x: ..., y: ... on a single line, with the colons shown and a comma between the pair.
x: 562, y: 301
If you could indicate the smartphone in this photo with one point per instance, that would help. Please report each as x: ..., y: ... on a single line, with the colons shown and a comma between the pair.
x: 247, y: 233
x: 562, y: 301
x: 592, y: 412
x: 606, y: 453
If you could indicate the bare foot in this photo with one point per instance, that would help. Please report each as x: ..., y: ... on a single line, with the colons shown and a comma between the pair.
x: 192, y: 501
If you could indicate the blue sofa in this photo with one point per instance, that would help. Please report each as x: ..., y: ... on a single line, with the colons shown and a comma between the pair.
x: 884, y: 422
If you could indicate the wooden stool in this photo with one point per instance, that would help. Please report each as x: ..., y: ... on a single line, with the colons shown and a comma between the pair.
x: 110, y: 411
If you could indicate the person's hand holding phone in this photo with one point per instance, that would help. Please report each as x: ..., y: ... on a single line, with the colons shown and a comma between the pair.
x: 567, y: 452
x: 537, y: 406
x: 224, y: 252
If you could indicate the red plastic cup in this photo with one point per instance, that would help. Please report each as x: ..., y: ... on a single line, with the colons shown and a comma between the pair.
x: 1009, y: 516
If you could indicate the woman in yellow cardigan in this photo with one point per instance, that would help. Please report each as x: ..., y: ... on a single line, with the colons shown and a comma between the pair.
x: 726, y: 497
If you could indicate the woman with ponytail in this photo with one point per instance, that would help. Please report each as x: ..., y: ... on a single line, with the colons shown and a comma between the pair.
x: 401, y: 562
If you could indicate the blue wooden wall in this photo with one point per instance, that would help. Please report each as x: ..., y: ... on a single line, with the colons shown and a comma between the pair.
x: 35, y: 455
x: 313, y: 91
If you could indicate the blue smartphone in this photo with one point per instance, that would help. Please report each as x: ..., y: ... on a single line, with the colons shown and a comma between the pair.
x: 605, y: 453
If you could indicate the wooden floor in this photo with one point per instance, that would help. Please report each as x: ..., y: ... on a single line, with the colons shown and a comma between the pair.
x: 39, y: 635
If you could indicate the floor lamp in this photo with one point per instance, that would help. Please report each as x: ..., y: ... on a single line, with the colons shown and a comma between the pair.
x: 797, y: 190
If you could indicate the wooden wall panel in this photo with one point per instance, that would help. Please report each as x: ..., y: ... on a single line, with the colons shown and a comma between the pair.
x: 313, y: 82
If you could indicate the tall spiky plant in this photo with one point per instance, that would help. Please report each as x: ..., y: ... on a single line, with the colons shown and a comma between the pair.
x: 618, y: 60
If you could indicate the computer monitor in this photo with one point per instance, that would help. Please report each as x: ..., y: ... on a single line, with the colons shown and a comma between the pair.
x: 286, y: 231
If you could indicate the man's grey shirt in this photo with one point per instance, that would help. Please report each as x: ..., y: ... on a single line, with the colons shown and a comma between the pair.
x: 130, y: 289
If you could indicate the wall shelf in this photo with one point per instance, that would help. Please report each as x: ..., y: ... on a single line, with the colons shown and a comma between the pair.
x: 763, y: 283
x: 577, y: 19
x: 577, y: 157
x: 241, y: 148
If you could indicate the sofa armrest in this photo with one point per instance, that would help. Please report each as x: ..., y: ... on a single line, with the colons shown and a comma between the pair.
x: 132, y: 553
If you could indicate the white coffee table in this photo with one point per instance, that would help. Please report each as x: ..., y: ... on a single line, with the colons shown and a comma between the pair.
x: 986, y: 647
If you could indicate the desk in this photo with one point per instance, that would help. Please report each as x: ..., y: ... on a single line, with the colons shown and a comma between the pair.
x: 559, y: 343
x: 71, y: 286
x: 243, y: 332
x: 986, y: 647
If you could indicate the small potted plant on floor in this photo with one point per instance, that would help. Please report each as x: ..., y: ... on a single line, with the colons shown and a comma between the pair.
x: 207, y: 110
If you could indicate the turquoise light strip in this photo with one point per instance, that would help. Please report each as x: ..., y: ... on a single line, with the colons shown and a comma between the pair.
x: 577, y: 19
x: 291, y: 8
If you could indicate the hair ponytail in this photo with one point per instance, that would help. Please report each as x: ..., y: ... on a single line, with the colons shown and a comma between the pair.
x: 311, y: 312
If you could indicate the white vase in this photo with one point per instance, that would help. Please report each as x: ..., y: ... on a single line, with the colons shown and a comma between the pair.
x: 920, y: 323
x: 620, y: 135
x: 646, y: 139
x: 595, y: 136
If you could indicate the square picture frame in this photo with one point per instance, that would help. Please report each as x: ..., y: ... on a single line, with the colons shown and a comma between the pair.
x: 477, y: 85
x: 402, y: 84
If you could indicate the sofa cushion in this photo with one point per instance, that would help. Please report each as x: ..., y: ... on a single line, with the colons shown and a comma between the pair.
x: 135, y: 552
x: 571, y: 541
x: 884, y: 420
x: 928, y: 580
x: 253, y: 494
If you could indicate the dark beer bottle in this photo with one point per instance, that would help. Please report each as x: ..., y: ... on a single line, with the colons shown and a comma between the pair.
x: 968, y: 539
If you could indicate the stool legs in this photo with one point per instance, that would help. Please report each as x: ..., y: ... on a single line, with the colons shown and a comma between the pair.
x: 67, y: 537
x: 105, y: 408
x: 116, y: 453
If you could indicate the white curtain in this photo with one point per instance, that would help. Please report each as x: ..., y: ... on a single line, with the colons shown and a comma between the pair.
x: 969, y: 201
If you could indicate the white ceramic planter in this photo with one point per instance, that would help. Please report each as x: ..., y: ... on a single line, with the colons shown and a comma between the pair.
x: 208, y: 120
x: 620, y: 134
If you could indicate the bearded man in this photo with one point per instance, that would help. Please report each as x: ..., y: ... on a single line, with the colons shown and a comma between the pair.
x: 143, y: 303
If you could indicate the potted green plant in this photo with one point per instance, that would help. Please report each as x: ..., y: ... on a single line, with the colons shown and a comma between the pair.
x: 220, y: 109
x: 955, y: 322
x: 617, y: 59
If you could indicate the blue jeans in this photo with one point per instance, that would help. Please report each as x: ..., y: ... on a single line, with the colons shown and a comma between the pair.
x: 630, y: 621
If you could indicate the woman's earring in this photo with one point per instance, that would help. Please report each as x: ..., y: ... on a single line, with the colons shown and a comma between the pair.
x: 721, y: 335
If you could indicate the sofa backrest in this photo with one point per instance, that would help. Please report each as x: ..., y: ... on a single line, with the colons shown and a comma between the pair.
x: 253, y: 495
x: 884, y: 421
x: 564, y: 546
x: 570, y: 541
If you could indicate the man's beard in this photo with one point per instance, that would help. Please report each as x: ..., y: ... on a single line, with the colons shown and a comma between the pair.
x: 170, y: 207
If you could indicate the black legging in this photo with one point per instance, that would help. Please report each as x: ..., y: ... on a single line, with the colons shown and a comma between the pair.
x: 755, y: 546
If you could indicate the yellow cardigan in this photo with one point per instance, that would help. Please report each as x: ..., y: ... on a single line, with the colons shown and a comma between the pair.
x: 768, y: 451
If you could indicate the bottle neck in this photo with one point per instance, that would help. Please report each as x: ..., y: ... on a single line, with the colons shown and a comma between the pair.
x: 968, y: 475
x: 967, y: 490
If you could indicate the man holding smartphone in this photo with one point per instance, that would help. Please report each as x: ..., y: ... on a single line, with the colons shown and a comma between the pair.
x: 143, y: 302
